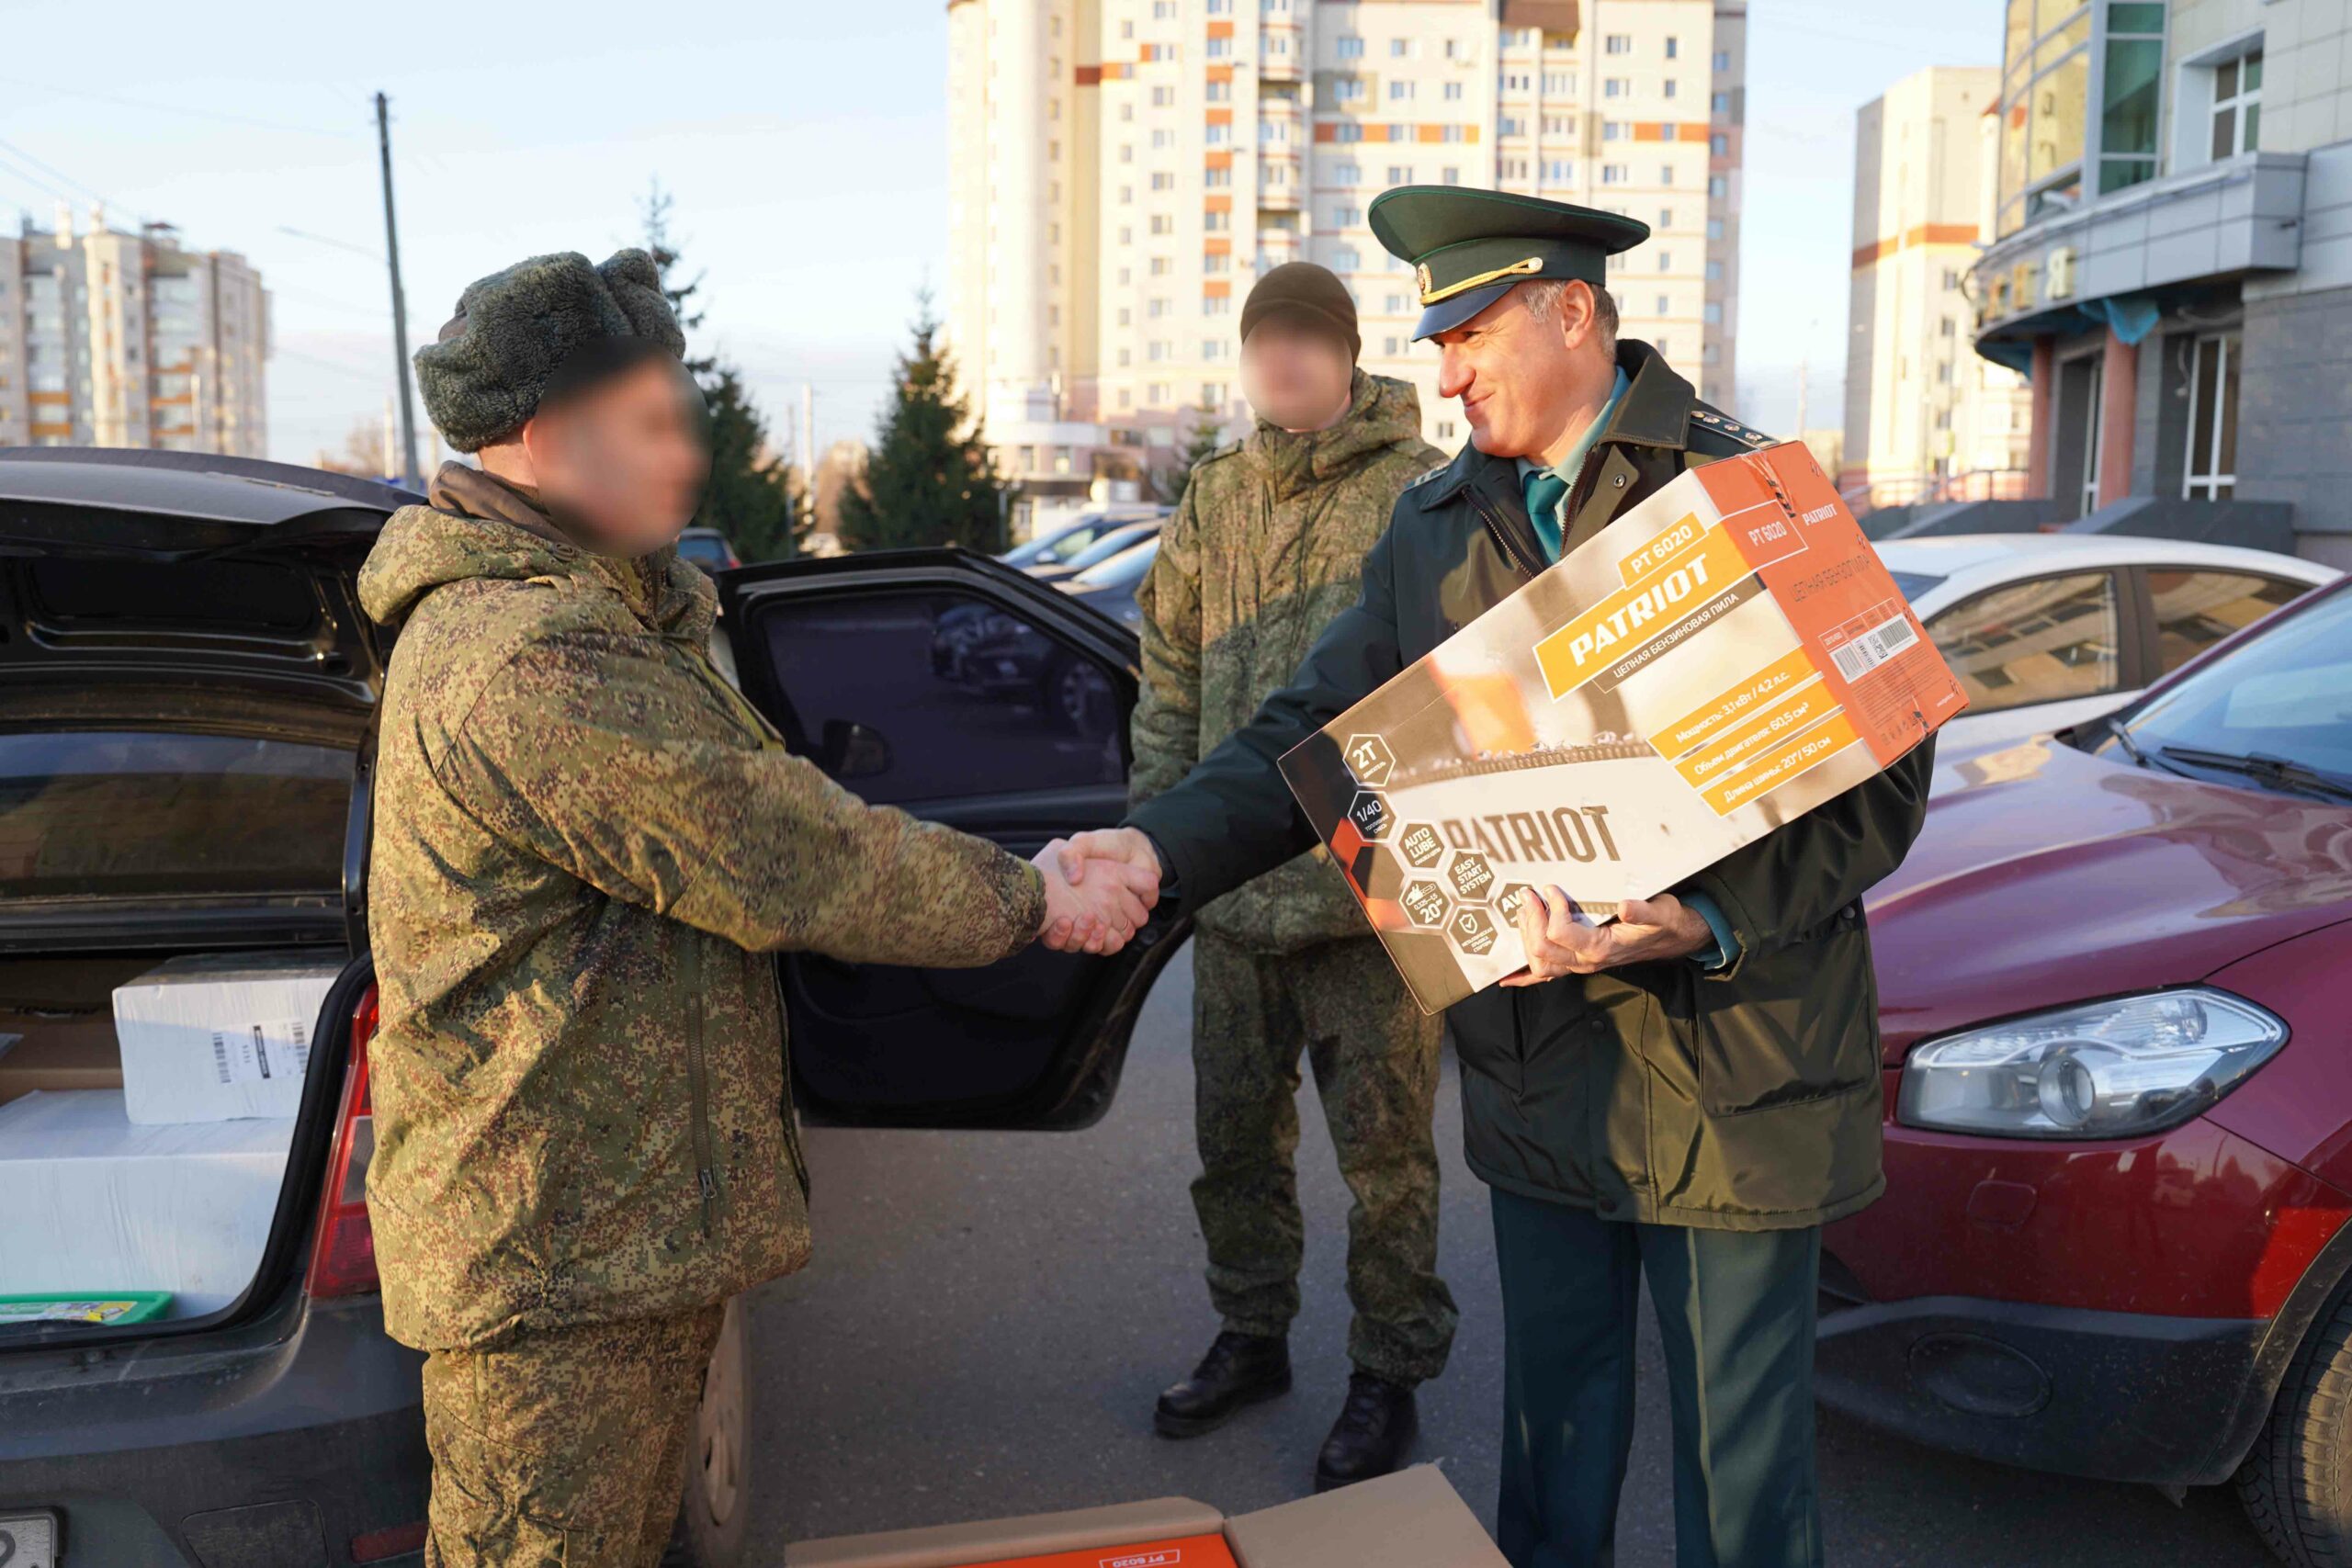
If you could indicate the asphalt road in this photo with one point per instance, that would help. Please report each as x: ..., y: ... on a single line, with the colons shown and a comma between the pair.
x: 990, y: 1315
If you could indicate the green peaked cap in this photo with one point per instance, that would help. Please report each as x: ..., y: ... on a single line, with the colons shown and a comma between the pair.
x: 1471, y: 247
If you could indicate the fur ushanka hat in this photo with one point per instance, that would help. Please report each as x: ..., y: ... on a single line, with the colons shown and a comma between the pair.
x: 515, y: 330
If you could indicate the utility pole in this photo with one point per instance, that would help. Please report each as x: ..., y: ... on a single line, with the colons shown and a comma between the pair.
x: 808, y: 450
x: 409, y: 474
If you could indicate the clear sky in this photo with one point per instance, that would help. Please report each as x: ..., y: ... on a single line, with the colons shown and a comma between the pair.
x: 805, y: 143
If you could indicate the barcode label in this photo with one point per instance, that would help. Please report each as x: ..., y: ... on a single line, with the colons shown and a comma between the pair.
x: 260, y: 1052
x: 1860, y: 654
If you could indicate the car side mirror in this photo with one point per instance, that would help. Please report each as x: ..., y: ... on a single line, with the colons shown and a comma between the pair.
x: 851, y: 750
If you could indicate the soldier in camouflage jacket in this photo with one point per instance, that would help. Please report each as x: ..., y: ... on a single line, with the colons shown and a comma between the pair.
x: 587, y: 849
x: 1266, y: 549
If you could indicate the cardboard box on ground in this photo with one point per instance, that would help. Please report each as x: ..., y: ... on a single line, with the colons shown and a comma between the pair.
x: 143, y: 1152
x: 1410, y: 1519
x: 1718, y: 661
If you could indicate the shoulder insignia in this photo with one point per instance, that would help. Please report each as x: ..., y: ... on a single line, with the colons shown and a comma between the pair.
x: 1433, y: 473
x: 1729, y: 426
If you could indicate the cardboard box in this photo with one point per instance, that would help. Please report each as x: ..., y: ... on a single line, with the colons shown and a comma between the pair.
x: 1718, y: 661
x: 214, y: 1037
x: 93, y: 1204
x: 43, y: 1052
x: 1410, y: 1519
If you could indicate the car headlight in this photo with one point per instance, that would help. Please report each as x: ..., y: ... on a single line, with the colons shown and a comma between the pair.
x: 2111, y: 1069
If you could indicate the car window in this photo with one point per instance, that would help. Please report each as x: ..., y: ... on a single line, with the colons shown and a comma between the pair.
x: 2197, y: 609
x: 954, y: 697
x: 703, y: 549
x: 1911, y: 584
x: 2284, y: 693
x: 2041, y: 641
x: 1111, y: 544
x: 1075, y: 543
x: 147, y: 813
x: 1122, y: 570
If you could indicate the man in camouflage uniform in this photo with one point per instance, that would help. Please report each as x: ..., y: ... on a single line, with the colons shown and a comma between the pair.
x: 587, y: 847
x: 1266, y: 549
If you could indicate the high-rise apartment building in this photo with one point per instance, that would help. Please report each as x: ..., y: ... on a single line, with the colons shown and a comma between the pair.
x: 1122, y: 170
x: 115, y: 339
x: 1925, y: 416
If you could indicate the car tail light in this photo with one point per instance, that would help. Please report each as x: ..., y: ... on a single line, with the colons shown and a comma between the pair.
x: 343, y: 1258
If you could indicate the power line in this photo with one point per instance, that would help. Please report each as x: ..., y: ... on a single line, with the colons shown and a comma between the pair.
x: 279, y: 351
x: 176, y: 108
x: 52, y: 169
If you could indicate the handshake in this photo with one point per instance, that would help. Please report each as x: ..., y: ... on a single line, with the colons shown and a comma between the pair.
x: 1100, y: 887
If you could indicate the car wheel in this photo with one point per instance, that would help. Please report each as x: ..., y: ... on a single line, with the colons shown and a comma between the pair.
x: 2296, y: 1483
x: 1078, y: 697
x: 715, y: 1501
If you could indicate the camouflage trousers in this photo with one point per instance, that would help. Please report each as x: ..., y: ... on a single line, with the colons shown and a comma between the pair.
x: 562, y: 1450
x: 1375, y: 1063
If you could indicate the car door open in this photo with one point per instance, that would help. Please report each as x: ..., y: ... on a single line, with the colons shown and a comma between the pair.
x: 964, y: 693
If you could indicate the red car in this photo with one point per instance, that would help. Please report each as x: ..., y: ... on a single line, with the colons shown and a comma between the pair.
x: 2116, y: 985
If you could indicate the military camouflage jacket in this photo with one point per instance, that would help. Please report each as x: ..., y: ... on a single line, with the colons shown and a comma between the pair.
x: 587, y: 845
x: 1266, y: 550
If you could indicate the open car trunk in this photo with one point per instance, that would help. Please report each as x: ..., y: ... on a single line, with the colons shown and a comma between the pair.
x: 187, y: 702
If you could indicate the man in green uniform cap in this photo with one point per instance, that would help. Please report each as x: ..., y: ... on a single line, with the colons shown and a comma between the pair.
x: 1687, y: 1094
x: 1266, y: 547
x: 587, y: 848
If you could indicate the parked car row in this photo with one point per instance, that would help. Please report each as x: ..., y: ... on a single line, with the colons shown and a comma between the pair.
x: 2112, y: 983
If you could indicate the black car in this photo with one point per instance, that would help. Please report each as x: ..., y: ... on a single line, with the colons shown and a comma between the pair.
x: 187, y: 694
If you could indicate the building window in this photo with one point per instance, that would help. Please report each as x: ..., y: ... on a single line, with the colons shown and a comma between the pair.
x: 2212, y: 469
x: 1220, y: 47
x: 1722, y: 60
x: 1349, y: 47
x: 1617, y: 87
x: 1452, y: 177
x: 1557, y: 83
x: 1346, y: 217
x: 1719, y: 104
x: 1162, y: 96
x: 1510, y: 125
x: 2237, y: 105
x: 1398, y: 304
x: 1618, y: 43
x: 1452, y: 92
x: 1212, y: 394
x: 1217, y: 304
x: 1220, y: 91
x: 1612, y: 131
x: 1399, y: 49
x: 1398, y: 91
x: 1399, y: 174
x: 1612, y: 175
x: 1713, y: 313
x: 1673, y: 46
x: 1556, y: 171
x: 2131, y: 95
x: 1666, y: 174
x: 1344, y: 258
x: 1665, y: 305
x: 1718, y: 188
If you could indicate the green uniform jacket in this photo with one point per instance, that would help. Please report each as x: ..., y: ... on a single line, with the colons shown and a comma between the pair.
x: 1266, y: 550
x: 586, y: 846
x: 1746, y: 1099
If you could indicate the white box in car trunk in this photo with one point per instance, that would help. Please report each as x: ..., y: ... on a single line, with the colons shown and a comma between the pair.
x: 91, y: 1202
x: 219, y: 1035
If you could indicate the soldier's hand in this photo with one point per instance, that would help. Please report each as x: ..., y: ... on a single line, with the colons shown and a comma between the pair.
x: 1099, y: 913
x: 1560, y: 942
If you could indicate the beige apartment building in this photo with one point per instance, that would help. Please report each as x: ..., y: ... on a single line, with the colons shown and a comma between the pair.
x: 1122, y: 170
x: 1926, y: 418
x: 116, y: 339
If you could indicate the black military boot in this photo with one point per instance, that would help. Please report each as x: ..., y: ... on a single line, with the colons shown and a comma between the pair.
x: 1239, y: 1369
x: 1371, y: 1436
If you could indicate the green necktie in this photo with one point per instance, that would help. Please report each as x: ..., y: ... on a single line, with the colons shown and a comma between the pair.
x: 1545, y: 490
